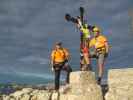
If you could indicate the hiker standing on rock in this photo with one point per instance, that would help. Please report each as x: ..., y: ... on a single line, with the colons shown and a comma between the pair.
x: 84, y: 38
x: 59, y: 61
x: 100, y: 50
x: 84, y: 45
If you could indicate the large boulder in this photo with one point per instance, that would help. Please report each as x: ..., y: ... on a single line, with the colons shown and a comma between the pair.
x: 23, y: 94
x: 17, y: 95
x: 120, y: 83
x: 82, y: 78
x: 25, y: 97
x: 82, y: 87
x: 40, y: 95
x: 5, y: 97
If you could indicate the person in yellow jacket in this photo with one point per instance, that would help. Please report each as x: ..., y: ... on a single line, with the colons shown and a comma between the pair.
x: 99, y: 43
x: 85, y: 35
x: 59, y: 61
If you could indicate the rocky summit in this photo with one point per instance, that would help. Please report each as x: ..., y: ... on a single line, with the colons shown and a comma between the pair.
x: 83, y: 86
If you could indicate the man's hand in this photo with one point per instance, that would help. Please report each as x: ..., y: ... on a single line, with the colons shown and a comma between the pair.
x: 52, y: 69
x: 51, y: 64
x: 107, y: 49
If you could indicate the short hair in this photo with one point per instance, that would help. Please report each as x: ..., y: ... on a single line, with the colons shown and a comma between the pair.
x: 59, y: 43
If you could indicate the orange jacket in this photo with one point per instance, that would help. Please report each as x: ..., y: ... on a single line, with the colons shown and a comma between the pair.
x: 98, y: 42
x: 60, y: 55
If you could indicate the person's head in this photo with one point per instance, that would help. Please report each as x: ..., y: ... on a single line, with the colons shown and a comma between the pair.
x: 58, y: 45
x: 96, y: 31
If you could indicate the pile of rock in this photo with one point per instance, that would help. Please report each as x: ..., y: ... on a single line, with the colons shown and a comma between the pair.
x: 28, y: 94
x: 120, y: 83
x: 82, y: 87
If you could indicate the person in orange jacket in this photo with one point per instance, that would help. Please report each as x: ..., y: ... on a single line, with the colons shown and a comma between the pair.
x: 59, y: 61
x: 101, y: 49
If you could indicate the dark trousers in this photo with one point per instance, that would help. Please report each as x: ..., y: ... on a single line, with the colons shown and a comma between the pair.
x: 58, y: 68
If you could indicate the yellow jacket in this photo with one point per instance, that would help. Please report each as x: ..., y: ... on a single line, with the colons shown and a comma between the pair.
x: 86, y: 32
x: 60, y: 55
x: 98, y: 42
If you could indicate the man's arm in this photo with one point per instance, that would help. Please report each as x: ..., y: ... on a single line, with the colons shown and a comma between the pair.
x: 67, y: 54
x: 52, y: 59
x: 106, y: 44
x: 107, y: 47
x: 79, y: 24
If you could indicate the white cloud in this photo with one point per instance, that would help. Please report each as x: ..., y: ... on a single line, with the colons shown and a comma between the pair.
x: 36, y: 75
x: 34, y: 59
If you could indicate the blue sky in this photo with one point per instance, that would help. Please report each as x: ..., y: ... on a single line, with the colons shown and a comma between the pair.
x: 29, y: 28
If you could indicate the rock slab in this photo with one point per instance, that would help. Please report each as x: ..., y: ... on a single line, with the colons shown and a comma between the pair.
x: 120, y: 83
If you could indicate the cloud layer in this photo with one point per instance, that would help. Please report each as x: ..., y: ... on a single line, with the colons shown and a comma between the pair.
x: 29, y: 28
